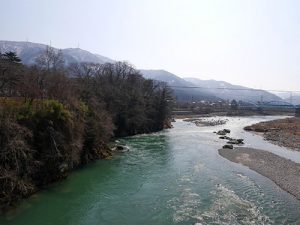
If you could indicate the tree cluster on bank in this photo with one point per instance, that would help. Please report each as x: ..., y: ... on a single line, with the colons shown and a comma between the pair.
x: 55, y: 118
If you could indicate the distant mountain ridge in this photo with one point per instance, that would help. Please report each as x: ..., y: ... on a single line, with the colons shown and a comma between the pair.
x: 29, y: 51
x: 229, y: 91
x: 295, y: 99
x: 176, y: 83
x: 197, y: 89
x: 211, y: 90
x: 290, y: 97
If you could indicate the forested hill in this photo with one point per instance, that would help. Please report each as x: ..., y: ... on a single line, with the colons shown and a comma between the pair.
x: 54, y: 119
x: 29, y: 52
x: 208, y: 90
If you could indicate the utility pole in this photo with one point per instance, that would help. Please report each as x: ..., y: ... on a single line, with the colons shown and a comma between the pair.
x: 27, y: 42
x: 261, y: 99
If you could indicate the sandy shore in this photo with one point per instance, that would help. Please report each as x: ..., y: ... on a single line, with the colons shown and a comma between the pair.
x: 285, y: 173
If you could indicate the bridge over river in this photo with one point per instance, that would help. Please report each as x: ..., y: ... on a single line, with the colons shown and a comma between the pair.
x: 271, y: 105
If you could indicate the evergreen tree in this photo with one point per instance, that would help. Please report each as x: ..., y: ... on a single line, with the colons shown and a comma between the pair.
x: 11, y: 56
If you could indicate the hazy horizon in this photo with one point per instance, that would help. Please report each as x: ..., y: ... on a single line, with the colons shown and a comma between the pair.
x: 250, y: 43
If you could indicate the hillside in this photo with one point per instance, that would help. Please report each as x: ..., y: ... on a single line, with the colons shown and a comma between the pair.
x: 229, y: 91
x: 176, y: 83
x: 211, y: 91
x: 29, y: 51
x: 295, y: 100
x: 291, y: 97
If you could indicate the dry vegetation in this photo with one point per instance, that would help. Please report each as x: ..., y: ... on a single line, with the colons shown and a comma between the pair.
x: 54, y: 119
x: 284, y: 132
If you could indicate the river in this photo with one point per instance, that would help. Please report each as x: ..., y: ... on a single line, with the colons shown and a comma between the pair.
x: 171, y: 177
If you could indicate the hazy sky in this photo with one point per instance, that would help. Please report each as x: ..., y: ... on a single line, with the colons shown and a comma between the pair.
x: 249, y: 42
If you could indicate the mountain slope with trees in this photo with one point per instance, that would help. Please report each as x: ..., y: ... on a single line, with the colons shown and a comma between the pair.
x: 211, y: 90
x: 29, y: 52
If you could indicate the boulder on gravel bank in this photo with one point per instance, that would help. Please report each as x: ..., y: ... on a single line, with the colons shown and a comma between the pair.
x: 228, y: 146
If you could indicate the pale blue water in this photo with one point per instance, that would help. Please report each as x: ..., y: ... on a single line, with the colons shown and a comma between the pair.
x: 171, y: 177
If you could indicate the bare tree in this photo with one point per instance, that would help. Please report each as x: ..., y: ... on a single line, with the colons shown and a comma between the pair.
x: 51, y: 59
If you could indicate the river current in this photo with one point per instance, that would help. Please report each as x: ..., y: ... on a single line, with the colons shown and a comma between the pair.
x: 171, y: 177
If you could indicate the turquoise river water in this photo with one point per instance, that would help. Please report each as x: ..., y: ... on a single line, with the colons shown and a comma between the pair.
x: 172, y: 177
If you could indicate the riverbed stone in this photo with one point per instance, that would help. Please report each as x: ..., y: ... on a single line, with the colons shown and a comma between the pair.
x: 228, y: 146
x: 120, y: 148
x: 227, y: 131
x: 235, y: 141
x: 223, y: 132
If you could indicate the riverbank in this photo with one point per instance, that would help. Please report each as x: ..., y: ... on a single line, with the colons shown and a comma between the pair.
x: 48, y: 131
x: 169, y: 177
x: 232, y: 113
x: 283, y: 132
x: 285, y: 173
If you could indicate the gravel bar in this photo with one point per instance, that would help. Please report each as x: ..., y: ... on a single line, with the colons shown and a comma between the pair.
x: 284, y: 172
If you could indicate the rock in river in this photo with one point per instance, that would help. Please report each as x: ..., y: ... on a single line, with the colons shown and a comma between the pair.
x: 235, y: 141
x: 223, y: 132
x: 120, y: 148
x: 228, y: 146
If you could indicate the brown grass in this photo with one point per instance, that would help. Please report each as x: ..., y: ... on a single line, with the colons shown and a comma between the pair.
x: 284, y: 132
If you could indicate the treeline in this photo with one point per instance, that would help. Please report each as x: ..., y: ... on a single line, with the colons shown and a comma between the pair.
x: 55, y: 118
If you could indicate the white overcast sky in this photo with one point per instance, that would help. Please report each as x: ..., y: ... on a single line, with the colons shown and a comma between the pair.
x: 255, y: 43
